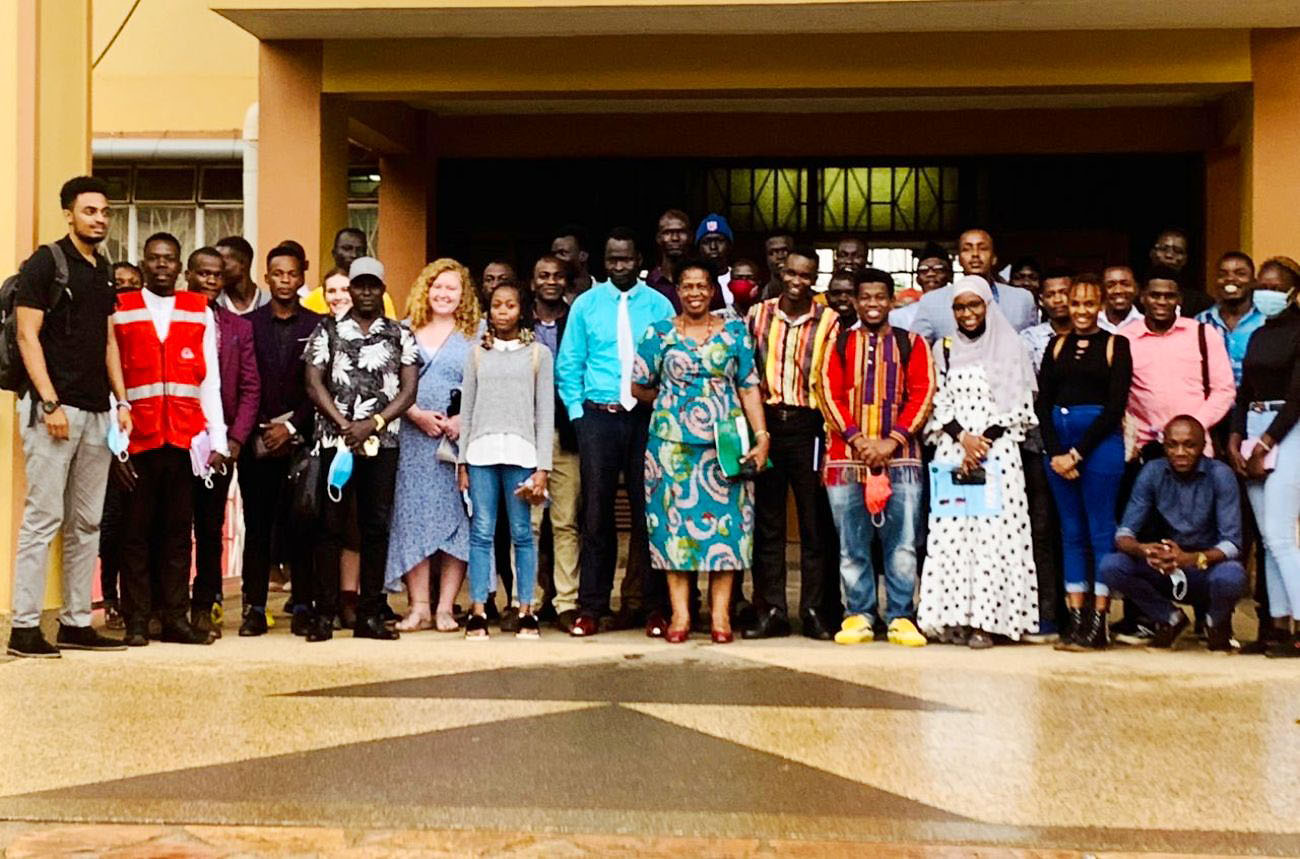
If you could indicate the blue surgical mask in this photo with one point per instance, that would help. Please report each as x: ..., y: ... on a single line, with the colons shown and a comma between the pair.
x: 1271, y: 302
x: 117, y: 442
x: 339, y: 474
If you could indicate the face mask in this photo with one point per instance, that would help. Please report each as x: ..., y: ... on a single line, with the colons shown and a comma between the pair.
x: 1270, y: 302
x: 117, y: 442
x: 339, y: 474
x: 877, y: 491
x: 200, y: 453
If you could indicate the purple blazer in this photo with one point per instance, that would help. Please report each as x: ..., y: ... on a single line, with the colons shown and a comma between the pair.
x: 241, y: 390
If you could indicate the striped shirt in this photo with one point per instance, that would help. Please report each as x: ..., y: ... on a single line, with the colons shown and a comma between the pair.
x: 789, y: 352
x: 869, y: 390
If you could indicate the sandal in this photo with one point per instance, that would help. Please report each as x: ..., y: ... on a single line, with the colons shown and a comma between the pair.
x: 979, y: 640
x: 529, y: 627
x: 476, y: 627
x: 445, y: 621
x: 417, y: 619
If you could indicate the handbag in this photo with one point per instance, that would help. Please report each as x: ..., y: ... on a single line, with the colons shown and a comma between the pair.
x: 306, y: 480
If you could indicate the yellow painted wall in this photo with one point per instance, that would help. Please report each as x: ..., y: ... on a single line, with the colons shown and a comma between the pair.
x: 178, y: 69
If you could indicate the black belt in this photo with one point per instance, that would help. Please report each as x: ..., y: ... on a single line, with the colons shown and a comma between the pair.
x: 611, y: 408
x: 790, y: 413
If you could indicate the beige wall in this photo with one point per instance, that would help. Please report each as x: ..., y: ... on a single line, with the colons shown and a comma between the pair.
x: 178, y: 69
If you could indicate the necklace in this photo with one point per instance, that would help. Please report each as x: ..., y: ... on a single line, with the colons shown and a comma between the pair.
x: 708, y: 332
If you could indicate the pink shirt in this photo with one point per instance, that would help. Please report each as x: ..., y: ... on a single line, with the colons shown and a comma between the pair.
x: 1167, y: 379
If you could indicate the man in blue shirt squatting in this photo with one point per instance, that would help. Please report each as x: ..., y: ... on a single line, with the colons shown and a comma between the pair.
x: 593, y: 373
x: 1191, y: 505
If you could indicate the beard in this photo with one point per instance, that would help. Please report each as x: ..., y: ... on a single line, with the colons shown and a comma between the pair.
x: 90, y: 240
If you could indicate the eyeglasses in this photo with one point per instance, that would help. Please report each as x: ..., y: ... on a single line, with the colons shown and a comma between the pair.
x: 931, y: 269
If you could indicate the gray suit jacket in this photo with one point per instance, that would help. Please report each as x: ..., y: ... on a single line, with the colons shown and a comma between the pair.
x: 934, y: 318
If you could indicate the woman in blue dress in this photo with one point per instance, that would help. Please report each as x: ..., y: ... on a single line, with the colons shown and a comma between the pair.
x: 429, y: 523
x: 697, y: 370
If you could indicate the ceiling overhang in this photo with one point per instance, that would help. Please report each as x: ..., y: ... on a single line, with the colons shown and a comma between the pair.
x: 403, y: 19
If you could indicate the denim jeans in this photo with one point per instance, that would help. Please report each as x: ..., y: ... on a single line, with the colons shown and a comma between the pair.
x: 1218, y: 587
x: 1086, y: 505
x: 488, y: 484
x: 1276, y: 502
x: 902, y: 517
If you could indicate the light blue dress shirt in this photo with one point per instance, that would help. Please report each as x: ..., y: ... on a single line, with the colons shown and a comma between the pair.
x: 587, y: 367
x: 1238, y: 338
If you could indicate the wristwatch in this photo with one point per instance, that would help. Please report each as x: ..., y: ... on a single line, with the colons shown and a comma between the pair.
x: 1202, y: 562
x: 50, y: 406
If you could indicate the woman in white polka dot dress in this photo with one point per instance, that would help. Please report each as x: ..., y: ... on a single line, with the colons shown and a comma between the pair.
x: 979, y: 578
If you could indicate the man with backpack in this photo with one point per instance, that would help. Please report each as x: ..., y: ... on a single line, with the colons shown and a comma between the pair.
x: 59, y: 353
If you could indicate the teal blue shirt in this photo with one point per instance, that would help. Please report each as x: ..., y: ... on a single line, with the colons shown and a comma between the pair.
x: 587, y: 367
x: 1238, y: 338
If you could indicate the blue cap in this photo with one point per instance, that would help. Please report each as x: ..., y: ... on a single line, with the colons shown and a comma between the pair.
x: 714, y: 224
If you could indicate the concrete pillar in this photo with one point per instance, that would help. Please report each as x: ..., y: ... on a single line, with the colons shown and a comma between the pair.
x: 405, y: 195
x: 302, y: 153
x: 1275, y: 143
x: 45, y: 91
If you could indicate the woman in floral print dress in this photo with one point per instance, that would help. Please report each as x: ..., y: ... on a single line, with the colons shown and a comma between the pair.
x: 697, y: 369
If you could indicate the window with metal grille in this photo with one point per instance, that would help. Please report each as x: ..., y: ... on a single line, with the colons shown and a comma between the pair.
x: 887, y: 199
x: 760, y: 199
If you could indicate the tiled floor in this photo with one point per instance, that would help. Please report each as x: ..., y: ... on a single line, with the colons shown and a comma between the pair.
x: 620, y: 745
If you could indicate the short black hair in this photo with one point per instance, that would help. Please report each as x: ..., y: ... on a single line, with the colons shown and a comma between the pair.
x: 124, y: 264
x: 932, y: 250
x: 1173, y: 231
x: 621, y: 234
x: 1241, y: 255
x: 290, y: 243
x: 704, y: 265
x: 851, y: 237
x: 1056, y: 272
x: 501, y: 261
x: 78, y: 185
x: 163, y: 237
x: 875, y: 275
x: 348, y: 231
x: 1162, y: 272
x: 287, y: 250
x: 805, y: 251
x: 843, y: 273
x: 1028, y: 262
x: 205, y: 251
x: 678, y: 214
x: 240, y: 246
x: 525, y: 302
x: 578, y: 232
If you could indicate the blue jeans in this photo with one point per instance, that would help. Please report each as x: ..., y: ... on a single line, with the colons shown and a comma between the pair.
x: 1218, y: 587
x: 488, y: 484
x: 1276, y: 502
x: 1086, y: 504
x: 897, y: 536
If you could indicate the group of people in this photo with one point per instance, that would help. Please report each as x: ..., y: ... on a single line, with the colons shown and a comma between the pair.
x: 1006, y: 454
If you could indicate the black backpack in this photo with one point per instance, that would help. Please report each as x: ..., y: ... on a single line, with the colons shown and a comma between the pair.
x: 13, y: 374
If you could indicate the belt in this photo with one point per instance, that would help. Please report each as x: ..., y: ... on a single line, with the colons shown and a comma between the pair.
x: 790, y: 413
x: 1267, y: 406
x: 611, y: 408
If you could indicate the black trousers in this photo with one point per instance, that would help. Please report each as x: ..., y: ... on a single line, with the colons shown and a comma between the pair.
x: 156, y: 516
x: 209, y: 522
x: 796, y: 443
x: 110, y: 540
x: 264, y: 487
x: 374, y: 478
x: 1045, y: 531
x: 610, y: 443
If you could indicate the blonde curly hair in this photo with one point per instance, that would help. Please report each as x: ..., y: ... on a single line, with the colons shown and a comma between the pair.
x: 467, y: 315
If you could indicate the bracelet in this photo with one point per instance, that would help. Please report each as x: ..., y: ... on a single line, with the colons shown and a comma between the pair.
x: 1078, y: 457
x: 123, y: 404
x: 762, y: 434
x: 380, y: 423
x: 1267, y: 445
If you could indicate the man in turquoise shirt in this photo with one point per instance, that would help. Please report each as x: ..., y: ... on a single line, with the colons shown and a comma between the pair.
x: 593, y: 374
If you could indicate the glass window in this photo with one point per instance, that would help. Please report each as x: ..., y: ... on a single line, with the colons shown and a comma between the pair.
x: 119, y: 182
x: 363, y: 183
x: 164, y: 184
x: 177, y: 220
x: 222, y: 221
x: 760, y: 199
x: 222, y: 184
x: 117, y: 244
x: 887, y: 199
x: 365, y: 217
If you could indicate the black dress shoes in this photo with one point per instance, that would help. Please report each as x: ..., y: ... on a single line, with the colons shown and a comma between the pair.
x: 137, y: 633
x: 254, y: 622
x: 321, y: 628
x: 770, y: 624
x: 85, y: 638
x: 812, y: 626
x: 374, y: 627
x: 180, y: 632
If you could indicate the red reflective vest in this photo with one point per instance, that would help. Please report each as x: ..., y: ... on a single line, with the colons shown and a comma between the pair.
x: 162, y: 377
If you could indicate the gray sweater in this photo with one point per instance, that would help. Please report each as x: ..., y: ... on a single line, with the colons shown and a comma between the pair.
x: 501, y: 394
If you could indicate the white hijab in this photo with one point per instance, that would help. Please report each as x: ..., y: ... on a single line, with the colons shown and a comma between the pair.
x: 999, y: 350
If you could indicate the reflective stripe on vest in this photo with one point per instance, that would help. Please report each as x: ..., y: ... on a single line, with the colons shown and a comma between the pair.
x: 169, y: 389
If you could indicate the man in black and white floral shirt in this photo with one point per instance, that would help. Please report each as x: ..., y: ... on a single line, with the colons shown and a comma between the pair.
x: 362, y: 372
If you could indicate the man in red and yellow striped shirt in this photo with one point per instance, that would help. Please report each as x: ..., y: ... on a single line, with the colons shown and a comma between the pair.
x: 877, y: 386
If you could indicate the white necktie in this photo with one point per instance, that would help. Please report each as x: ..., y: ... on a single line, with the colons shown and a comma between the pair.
x: 625, y: 355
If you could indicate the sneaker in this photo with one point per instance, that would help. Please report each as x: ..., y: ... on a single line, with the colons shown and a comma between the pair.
x: 1135, y: 631
x: 29, y: 643
x: 256, y: 622
x: 85, y: 638
x: 270, y: 620
x: 1091, y: 634
x: 903, y: 632
x: 1167, y: 633
x: 476, y: 627
x: 1046, y: 633
x: 584, y: 626
x: 529, y: 627
x: 113, y: 616
x: 856, y: 629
